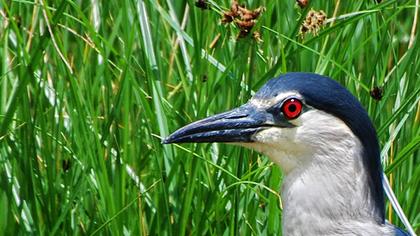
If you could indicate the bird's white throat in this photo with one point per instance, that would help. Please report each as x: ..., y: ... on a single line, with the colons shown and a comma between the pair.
x: 325, y: 183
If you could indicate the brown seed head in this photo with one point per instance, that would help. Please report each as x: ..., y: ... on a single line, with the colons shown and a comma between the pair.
x: 313, y: 22
x: 377, y: 93
x: 244, y: 18
x: 202, y: 4
x: 302, y: 3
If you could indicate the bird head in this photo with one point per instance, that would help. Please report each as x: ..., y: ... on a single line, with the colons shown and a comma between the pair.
x: 295, y: 119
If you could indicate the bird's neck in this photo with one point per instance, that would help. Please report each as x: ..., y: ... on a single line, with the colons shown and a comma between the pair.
x: 328, y: 194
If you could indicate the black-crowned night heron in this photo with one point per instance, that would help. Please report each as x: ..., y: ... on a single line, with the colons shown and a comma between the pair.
x: 324, y: 141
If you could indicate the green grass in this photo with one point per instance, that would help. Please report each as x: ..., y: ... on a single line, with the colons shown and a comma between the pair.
x: 89, y: 88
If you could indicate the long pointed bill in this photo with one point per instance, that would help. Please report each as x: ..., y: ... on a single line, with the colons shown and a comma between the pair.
x: 237, y: 125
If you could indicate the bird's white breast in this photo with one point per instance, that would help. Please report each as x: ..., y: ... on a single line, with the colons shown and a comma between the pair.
x: 324, y: 191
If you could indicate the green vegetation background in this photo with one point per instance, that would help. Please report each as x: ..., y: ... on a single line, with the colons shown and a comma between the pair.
x: 89, y: 88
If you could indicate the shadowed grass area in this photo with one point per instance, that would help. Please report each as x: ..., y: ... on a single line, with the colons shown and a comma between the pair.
x: 89, y: 88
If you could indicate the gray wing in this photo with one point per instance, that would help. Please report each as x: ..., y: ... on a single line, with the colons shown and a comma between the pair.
x: 398, y: 231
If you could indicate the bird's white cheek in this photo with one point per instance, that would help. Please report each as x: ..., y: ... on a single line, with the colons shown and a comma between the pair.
x: 276, y: 136
x: 282, y: 145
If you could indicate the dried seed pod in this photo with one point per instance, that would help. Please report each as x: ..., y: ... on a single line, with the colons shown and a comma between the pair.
x: 246, y: 14
x: 202, y: 4
x: 228, y: 17
x: 246, y: 25
x: 302, y: 3
x: 244, y: 18
x: 313, y: 22
x: 377, y: 93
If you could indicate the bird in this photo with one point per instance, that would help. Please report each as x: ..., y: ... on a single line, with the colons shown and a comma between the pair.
x: 322, y: 138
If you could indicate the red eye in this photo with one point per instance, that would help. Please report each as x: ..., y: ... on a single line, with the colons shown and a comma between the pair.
x: 291, y: 108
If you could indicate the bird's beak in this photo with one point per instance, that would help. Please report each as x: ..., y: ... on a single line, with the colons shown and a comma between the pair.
x: 237, y: 125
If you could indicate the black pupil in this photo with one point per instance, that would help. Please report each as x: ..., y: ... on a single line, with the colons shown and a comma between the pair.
x: 292, y: 107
